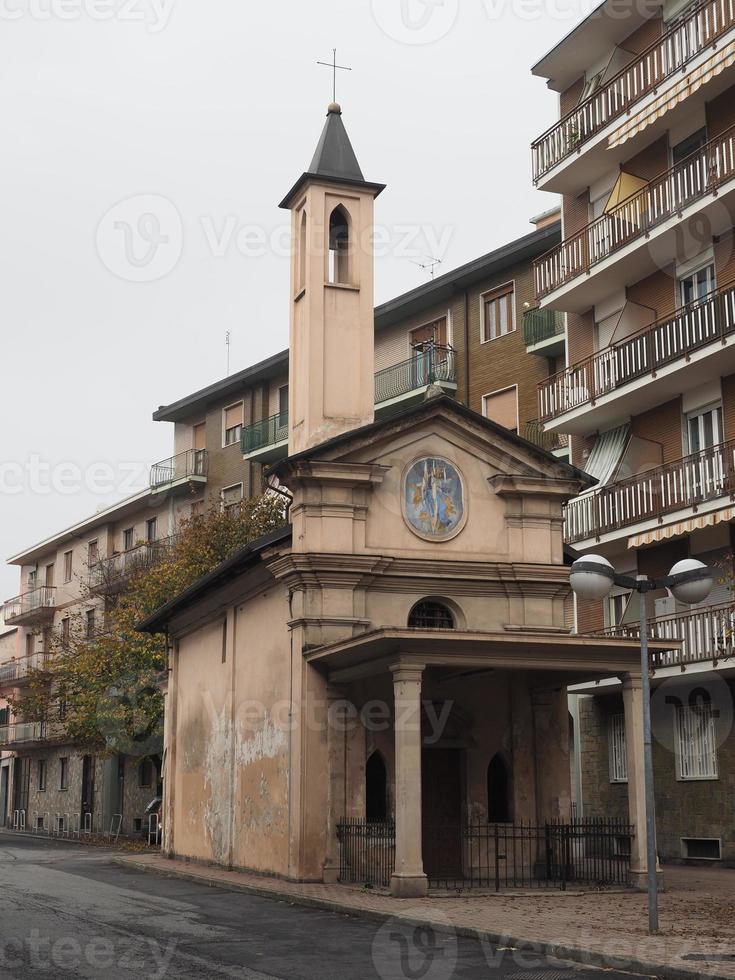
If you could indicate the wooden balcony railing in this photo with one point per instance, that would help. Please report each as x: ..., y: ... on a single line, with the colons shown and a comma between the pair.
x: 540, y: 325
x: 667, y: 56
x: 707, y: 321
x: 38, y: 603
x: 663, y: 198
x: 687, y: 482
x: 193, y: 462
x: 534, y: 432
x: 706, y: 634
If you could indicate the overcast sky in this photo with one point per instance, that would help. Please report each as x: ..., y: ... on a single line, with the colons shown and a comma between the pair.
x: 198, y: 115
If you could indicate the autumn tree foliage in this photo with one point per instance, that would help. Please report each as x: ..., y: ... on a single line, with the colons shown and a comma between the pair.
x: 99, y: 684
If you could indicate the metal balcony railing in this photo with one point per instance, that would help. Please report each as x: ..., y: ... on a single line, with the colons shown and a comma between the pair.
x: 26, y: 731
x: 38, y: 602
x: 540, y: 325
x: 664, y: 197
x: 693, y: 33
x: 708, y: 321
x: 109, y: 572
x: 687, y: 482
x: 15, y: 671
x: 533, y: 431
x: 706, y: 634
x: 191, y: 463
x: 435, y: 364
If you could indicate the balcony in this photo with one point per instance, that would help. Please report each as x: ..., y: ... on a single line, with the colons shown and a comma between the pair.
x: 16, y: 672
x: 704, y: 481
x: 691, y: 40
x: 398, y: 385
x: 25, y: 733
x: 643, y: 233
x: 31, y: 608
x: 544, y: 332
x: 707, y: 635
x: 182, y: 470
x: 644, y: 369
x: 110, y: 575
x: 553, y: 442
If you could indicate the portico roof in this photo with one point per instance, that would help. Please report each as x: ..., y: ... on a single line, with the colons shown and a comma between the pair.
x: 566, y: 658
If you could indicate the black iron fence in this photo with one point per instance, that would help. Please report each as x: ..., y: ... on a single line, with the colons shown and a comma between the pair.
x: 592, y: 853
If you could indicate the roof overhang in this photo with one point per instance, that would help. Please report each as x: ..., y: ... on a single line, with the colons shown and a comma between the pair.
x: 568, y: 658
x: 588, y: 43
x: 328, y: 180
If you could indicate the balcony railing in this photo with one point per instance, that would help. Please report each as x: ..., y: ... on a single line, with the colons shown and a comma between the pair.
x: 550, y: 441
x: 435, y: 364
x: 26, y: 731
x: 664, y: 197
x: 110, y: 572
x: 669, y: 54
x: 15, y: 671
x: 267, y: 432
x: 37, y: 604
x: 541, y: 325
x: 192, y: 463
x: 707, y: 321
x: 687, y: 482
x: 706, y: 634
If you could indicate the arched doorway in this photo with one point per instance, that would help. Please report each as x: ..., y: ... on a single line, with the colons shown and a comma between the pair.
x: 376, y: 789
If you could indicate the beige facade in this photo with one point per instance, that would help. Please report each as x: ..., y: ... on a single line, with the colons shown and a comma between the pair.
x: 644, y: 274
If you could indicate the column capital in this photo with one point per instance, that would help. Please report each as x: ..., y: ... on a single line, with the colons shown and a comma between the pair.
x: 631, y: 681
x: 407, y: 671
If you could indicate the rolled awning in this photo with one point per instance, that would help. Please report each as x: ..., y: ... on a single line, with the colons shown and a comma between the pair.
x: 685, y: 87
x: 695, y: 523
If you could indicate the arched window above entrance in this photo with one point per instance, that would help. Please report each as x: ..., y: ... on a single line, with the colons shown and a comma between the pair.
x: 431, y: 615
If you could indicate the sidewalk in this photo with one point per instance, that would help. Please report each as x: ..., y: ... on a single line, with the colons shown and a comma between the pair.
x: 697, y: 917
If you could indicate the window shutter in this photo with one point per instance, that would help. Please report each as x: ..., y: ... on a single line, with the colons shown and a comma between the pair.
x: 233, y: 416
x: 503, y: 408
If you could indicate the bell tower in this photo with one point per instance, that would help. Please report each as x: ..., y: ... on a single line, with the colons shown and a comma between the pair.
x: 331, y: 387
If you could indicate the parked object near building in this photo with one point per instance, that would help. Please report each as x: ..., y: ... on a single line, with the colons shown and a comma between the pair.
x: 642, y: 156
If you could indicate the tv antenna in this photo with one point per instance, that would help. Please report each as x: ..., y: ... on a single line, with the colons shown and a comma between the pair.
x: 430, y: 264
x: 228, y: 344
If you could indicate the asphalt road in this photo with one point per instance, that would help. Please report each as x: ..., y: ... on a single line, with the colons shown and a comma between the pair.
x: 66, y: 911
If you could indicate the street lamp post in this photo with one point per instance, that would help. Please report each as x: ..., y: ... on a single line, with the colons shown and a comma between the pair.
x: 690, y: 581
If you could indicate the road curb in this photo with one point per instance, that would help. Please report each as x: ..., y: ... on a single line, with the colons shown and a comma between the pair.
x: 576, y: 954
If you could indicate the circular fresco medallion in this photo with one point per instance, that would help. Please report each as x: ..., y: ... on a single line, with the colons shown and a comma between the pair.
x: 433, y: 498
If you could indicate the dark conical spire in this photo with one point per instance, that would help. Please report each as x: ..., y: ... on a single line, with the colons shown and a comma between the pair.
x: 334, y: 159
x: 334, y: 156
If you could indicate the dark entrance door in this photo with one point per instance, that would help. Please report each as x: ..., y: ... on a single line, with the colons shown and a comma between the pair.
x: 441, y: 806
x: 87, y: 805
x: 4, y: 775
x: 21, y: 783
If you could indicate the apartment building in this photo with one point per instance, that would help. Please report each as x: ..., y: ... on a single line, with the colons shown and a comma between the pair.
x: 471, y: 331
x: 8, y: 648
x: 643, y: 156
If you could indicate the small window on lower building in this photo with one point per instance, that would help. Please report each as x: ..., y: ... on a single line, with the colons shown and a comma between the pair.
x: 91, y: 620
x: 145, y: 773
x: 231, y: 499
x: 696, y: 745
x: 63, y: 774
x: 42, y: 775
x: 430, y: 615
x: 701, y: 848
x: 617, y: 749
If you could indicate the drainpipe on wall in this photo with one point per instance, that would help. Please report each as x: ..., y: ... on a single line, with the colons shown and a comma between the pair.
x: 467, y: 347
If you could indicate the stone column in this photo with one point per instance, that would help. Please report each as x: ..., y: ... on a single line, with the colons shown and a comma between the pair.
x: 553, y: 769
x: 409, y: 880
x: 336, y: 746
x: 633, y: 706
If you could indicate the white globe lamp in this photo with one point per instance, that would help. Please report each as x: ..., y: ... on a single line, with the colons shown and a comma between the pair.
x: 696, y: 591
x: 592, y: 577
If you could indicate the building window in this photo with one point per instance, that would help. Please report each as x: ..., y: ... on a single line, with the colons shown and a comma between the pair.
x: 231, y: 499
x: 696, y: 745
x: 502, y: 407
x: 617, y: 748
x: 376, y: 789
x: 90, y: 623
x: 30, y: 644
x: 41, y: 775
x: 63, y: 774
x: 62, y: 709
x: 93, y: 553
x: 200, y: 449
x: 50, y: 575
x: 128, y: 538
x: 232, y: 424
x: 430, y: 615
x: 498, y: 313
x: 145, y: 774
x: 339, y: 246
x: 283, y: 406
x: 65, y: 631
x: 696, y: 285
x: 618, y: 606
x: 704, y: 429
x: 301, y: 283
x: 151, y: 529
x: 32, y: 580
x: 688, y: 146
x: 429, y: 335
x: 68, y: 565
x: 498, y: 791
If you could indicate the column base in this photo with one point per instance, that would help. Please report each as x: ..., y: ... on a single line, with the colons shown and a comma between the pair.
x: 330, y: 873
x: 409, y: 886
x: 639, y: 880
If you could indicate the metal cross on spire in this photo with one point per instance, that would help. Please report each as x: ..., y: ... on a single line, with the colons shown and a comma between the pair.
x: 335, y: 68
